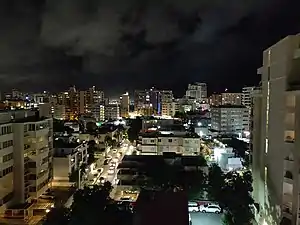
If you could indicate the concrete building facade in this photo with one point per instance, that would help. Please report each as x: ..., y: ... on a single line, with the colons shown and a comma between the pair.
x: 160, y: 144
x: 230, y: 119
x: 276, y: 131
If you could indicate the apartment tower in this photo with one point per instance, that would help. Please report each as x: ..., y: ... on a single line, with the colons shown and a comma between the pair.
x: 276, y: 135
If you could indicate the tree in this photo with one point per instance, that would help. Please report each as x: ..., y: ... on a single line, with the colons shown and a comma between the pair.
x: 238, y: 199
x: 108, y: 141
x: 58, y: 216
x: 215, y: 183
x: 92, y: 206
x: 180, y: 115
x: 91, y: 127
x: 135, y: 127
x: 233, y: 192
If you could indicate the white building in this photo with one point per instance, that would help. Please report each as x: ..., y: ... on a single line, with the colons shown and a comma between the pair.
x: 25, y: 157
x: 6, y: 166
x: 247, y: 93
x: 197, y: 91
x: 276, y: 131
x: 33, y: 150
x: 230, y: 119
x: 67, y: 159
x: 158, y: 144
x: 112, y: 111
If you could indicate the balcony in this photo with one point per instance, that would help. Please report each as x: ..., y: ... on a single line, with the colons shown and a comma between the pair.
x: 288, y: 177
x: 297, y: 53
x: 289, y: 136
x: 288, y: 163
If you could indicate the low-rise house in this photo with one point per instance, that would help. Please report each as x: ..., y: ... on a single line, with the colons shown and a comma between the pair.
x: 156, y: 143
x: 68, y: 157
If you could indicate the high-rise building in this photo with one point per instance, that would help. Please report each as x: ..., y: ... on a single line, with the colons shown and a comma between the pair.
x: 111, y: 111
x: 26, y: 157
x: 139, y: 100
x: 230, y: 119
x: 215, y: 99
x: 124, y: 105
x: 58, y: 112
x: 275, y: 139
x: 167, y: 104
x: 247, y: 93
x: 197, y: 91
x: 98, y: 112
x: 231, y: 98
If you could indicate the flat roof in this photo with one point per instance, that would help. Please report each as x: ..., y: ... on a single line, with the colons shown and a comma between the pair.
x: 229, y: 106
x: 158, y: 134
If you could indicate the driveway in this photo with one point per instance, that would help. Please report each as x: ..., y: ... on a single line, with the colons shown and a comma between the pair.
x: 206, y: 218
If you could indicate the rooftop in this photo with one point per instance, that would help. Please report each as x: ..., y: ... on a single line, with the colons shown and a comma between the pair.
x: 158, y: 134
x: 64, y: 144
x: 229, y: 106
x: 30, y: 119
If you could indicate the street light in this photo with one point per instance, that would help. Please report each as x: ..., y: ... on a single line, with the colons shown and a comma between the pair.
x: 79, y: 175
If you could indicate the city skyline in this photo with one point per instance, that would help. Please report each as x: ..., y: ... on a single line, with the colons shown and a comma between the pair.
x: 208, y: 41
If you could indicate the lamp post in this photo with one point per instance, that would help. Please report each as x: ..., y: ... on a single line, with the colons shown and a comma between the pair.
x: 79, y: 175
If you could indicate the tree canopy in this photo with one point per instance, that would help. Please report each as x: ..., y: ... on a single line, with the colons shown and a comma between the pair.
x: 233, y: 192
x: 91, y: 206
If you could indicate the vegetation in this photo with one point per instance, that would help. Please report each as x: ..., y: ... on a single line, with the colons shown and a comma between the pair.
x: 91, y: 206
x: 240, y: 149
x: 180, y: 115
x: 59, y: 126
x: 173, y: 177
x: 135, y: 127
x: 91, y: 127
x: 233, y: 192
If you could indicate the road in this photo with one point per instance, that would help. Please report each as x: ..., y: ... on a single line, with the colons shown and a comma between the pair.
x: 114, y: 153
x: 206, y: 219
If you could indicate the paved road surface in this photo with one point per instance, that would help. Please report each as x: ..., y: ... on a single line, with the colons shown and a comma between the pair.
x: 206, y: 219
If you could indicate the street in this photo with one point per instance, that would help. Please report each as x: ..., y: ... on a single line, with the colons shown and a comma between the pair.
x: 112, y: 178
x: 206, y: 218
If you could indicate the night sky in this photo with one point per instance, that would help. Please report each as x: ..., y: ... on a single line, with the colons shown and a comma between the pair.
x: 121, y: 45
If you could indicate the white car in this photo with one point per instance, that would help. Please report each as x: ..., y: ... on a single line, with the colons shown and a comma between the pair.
x: 210, y: 208
x: 193, y: 207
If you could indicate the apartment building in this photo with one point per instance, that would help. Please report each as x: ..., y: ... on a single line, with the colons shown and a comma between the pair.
x: 230, y: 119
x: 25, y: 157
x: 247, y: 93
x: 231, y: 98
x: 58, y: 112
x: 197, y: 91
x: 6, y: 166
x: 124, y: 105
x: 276, y: 137
x: 158, y: 144
x: 33, y: 150
x: 112, y: 111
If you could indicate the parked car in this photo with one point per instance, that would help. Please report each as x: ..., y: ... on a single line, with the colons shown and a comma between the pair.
x: 193, y: 207
x: 210, y: 208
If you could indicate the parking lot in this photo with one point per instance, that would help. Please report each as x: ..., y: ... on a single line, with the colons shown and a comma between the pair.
x: 199, y: 218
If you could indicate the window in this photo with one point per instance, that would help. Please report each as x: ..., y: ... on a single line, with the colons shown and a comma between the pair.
x: 7, y: 157
x: 152, y: 141
x: 170, y: 140
x: 159, y: 140
x: 7, y: 171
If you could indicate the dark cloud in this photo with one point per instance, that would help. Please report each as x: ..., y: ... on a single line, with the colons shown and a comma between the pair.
x: 116, y: 43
